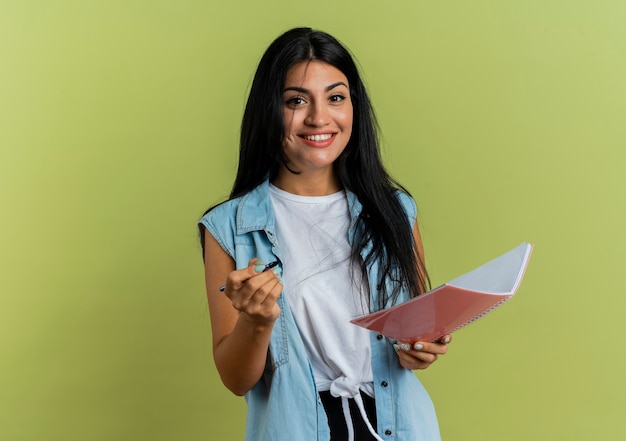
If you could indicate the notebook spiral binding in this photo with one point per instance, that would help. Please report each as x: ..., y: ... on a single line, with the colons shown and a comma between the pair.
x: 479, y: 316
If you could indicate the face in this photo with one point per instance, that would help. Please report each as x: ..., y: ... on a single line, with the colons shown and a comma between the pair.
x: 317, y: 115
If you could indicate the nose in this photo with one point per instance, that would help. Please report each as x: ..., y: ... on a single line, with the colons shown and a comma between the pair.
x: 318, y: 115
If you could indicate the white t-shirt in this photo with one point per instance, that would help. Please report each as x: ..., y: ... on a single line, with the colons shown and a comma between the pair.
x: 323, y: 289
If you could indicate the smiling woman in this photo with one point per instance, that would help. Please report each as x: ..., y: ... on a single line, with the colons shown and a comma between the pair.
x: 311, y: 192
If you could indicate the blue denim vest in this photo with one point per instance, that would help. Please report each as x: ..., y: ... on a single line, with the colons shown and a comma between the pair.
x: 284, y: 404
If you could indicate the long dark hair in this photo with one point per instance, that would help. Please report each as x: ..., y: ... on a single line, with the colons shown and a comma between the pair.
x: 382, y: 225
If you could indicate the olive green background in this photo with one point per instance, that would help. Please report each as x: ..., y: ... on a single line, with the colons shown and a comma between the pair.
x: 119, y: 125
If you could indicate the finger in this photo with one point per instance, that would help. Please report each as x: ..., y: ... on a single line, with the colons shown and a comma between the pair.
x: 237, y: 278
x: 416, y: 351
x: 404, y: 346
x: 254, y: 261
x: 415, y: 360
x: 445, y: 339
x: 267, y: 292
x: 426, y: 357
x: 274, y: 293
x: 433, y: 348
x: 252, y: 293
x: 261, y: 304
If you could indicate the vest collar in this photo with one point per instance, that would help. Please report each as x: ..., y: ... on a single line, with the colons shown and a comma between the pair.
x: 255, y: 210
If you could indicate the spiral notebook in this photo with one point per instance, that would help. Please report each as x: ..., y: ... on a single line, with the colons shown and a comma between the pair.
x: 455, y: 304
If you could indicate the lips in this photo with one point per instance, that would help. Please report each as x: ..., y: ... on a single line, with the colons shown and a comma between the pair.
x: 318, y: 140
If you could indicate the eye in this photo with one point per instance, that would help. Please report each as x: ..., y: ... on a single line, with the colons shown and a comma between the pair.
x: 295, y: 101
x: 337, y: 98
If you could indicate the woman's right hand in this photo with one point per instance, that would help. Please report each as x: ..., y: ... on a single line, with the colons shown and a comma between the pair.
x: 254, y: 292
x: 242, y: 317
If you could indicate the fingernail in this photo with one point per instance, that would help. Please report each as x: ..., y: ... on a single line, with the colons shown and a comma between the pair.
x: 278, y: 271
x: 418, y: 346
x: 405, y: 347
x: 446, y: 340
x: 396, y: 347
x: 259, y: 268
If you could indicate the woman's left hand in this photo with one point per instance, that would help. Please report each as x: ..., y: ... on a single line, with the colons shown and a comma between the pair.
x: 420, y: 355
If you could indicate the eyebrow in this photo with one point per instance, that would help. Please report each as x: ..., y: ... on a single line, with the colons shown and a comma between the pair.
x: 328, y: 88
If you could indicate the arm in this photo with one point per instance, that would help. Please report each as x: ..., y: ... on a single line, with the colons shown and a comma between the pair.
x: 420, y: 355
x: 419, y: 258
x: 242, y: 317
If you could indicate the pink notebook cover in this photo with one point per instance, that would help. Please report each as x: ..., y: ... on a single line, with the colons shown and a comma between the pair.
x: 453, y: 305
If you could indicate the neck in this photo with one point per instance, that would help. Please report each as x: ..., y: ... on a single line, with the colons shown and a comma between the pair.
x: 317, y: 183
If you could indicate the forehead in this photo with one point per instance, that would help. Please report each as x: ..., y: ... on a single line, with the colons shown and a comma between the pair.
x: 313, y: 73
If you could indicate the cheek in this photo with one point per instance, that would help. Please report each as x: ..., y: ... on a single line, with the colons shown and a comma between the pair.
x: 347, y: 119
x: 291, y: 120
x: 347, y: 124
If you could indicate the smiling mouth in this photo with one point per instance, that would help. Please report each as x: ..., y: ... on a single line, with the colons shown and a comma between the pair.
x: 318, y: 138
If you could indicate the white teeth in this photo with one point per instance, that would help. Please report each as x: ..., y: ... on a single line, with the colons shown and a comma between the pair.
x: 318, y: 138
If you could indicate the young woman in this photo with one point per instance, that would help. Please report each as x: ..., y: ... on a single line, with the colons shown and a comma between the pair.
x: 312, y: 197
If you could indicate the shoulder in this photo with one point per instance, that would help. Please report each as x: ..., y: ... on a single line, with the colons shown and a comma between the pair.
x: 220, y: 222
x: 408, y: 203
x: 239, y: 216
x: 220, y: 213
x: 244, y: 207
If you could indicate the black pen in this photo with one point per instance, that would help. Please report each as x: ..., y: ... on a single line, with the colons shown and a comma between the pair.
x: 265, y: 268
